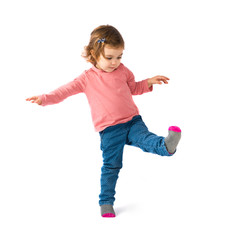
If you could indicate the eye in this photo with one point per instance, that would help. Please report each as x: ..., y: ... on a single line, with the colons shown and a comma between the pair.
x: 119, y: 57
x: 109, y: 58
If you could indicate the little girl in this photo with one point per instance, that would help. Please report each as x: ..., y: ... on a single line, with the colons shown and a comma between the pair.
x: 109, y: 87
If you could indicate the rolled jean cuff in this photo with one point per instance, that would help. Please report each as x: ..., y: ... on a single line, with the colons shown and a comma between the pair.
x: 105, y: 203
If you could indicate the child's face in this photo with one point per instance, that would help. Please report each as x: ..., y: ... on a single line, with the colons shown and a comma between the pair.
x: 112, y: 59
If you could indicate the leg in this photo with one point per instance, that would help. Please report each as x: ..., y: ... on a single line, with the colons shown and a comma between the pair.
x: 139, y: 136
x: 113, y: 140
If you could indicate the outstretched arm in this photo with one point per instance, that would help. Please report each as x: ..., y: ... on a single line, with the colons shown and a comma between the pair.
x: 141, y: 87
x: 61, y: 93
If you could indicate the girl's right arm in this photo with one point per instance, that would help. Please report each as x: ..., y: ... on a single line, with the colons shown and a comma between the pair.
x: 58, y: 95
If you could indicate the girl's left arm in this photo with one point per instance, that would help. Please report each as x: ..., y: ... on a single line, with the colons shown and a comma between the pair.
x: 137, y: 88
x: 144, y: 86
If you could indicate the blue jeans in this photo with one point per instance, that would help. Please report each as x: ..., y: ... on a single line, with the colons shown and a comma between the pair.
x: 113, y: 138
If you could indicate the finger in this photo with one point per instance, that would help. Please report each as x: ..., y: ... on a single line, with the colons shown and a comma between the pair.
x: 162, y: 77
x: 162, y: 80
x: 34, y: 100
x: 165, y: 81
x: 165, y: 78
x: 31, y: 98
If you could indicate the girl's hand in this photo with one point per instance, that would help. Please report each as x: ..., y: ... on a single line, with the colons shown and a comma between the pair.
x: 157, y: 80
x: 35, y: 99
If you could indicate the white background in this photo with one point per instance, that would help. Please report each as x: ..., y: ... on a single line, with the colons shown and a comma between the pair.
x: 50, y: 158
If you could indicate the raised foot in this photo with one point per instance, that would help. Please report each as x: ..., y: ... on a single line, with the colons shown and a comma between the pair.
x: 174, y: 129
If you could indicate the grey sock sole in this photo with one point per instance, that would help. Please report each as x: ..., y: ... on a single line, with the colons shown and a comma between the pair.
x: 107, y: 211
x: 172, y: 140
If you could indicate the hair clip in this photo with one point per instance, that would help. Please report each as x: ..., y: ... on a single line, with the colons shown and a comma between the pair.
x: 101, y: 40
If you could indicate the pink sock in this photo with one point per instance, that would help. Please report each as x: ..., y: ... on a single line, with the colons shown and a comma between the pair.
x: 174, y: 129
x: 173, y: 138
x: 109, y: 215
x: 107, y: 211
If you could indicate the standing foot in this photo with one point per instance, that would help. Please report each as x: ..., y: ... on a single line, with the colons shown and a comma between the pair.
x: 107, y: 211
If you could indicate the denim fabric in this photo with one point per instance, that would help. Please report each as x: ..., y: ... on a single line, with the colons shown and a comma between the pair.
x: 113, y: 139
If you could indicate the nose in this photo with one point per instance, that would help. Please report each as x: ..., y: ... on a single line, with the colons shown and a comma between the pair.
x: 114, y: 61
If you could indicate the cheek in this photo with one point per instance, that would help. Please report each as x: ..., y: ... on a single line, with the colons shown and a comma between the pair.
x: 105, y: 62
x: 101, y: 61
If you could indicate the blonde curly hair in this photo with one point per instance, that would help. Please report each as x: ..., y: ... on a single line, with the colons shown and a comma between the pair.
x: 101, y: 36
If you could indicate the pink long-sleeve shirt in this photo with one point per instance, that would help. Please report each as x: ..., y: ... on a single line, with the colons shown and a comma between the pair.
x: 109, y: 95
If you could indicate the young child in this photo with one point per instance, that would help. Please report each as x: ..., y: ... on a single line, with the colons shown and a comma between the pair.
x: 109, y: 87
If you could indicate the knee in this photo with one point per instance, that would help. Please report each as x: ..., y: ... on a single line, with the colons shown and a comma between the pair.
x: 113, y: 161
x: 112, y: 167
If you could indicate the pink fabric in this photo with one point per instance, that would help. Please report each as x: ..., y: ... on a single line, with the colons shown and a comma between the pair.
x: 109, y: 95
x: 108, y: 215
x: 174, y: 129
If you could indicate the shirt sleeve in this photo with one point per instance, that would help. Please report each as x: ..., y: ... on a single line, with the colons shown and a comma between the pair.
x: 137, y: 88
x: 74, y: 87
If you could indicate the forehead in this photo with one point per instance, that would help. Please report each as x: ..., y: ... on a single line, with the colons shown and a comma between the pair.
x: 108, y: 50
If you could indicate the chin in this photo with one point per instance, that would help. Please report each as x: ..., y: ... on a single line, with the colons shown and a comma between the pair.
x: 110, y: 70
